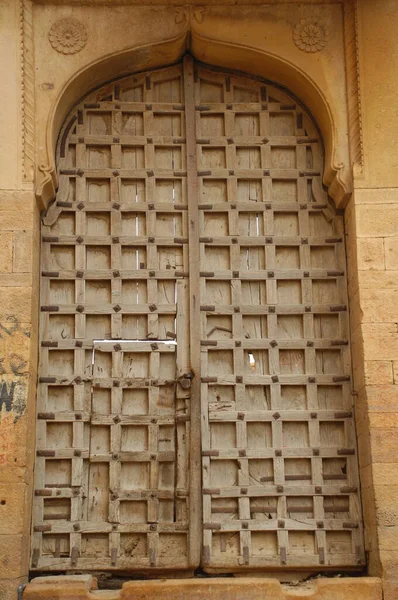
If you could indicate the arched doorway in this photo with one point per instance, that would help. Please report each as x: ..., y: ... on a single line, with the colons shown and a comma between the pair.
x: 194, y: 393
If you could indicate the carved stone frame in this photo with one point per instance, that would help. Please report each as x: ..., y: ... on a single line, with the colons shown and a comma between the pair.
x: 343, y: 144
x: 343, y: 152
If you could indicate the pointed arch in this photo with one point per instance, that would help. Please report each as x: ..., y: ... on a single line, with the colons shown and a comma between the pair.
x: 270, y: 67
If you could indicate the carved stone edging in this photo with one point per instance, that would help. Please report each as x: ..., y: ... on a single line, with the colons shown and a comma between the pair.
x: 353, y: 84
x: 68, y: 36
x: 27, y: 88
x: 338, y: 177
x: 310, y: 34
x: 338, y: 180
x: 180, y: 15
x: 184, y: 15
x: 198, y: 13
x: 46, y: 186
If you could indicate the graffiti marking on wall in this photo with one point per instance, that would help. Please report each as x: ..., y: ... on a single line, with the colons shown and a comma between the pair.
x: 7, y: 395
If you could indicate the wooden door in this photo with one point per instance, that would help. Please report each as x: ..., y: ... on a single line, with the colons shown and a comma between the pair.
x: 280, y: 482
x: 194, y: 402
x: 113, y: 431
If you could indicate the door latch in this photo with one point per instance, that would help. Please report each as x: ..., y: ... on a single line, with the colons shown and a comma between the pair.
x: 186, y: 380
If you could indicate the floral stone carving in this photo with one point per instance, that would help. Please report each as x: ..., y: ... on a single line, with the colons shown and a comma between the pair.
x: 310, y: 35
x: 68, y: 36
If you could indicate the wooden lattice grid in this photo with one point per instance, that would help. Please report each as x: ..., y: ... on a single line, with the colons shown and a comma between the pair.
x: 276, y: 403
x: 191, y: 237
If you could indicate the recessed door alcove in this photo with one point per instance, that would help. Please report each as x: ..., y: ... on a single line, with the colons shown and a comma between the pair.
x: 194, y: 405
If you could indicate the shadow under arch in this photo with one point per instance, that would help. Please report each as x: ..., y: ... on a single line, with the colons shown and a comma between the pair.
x: 246, y: 59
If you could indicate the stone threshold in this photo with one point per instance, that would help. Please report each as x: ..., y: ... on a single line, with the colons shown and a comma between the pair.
x: 83, y: 587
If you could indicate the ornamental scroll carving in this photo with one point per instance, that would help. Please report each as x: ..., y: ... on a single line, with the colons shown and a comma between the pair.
x: 27, y: 88
x: 68, y: 36
x: 310, y: 35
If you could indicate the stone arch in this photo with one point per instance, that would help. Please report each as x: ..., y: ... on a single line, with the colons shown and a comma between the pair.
x: 249, y: 60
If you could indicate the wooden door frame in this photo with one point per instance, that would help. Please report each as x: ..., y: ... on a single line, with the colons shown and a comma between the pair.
x: 194, y: 309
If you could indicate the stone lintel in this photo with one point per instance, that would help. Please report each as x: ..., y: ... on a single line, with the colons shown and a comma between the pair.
x: 83, y: 587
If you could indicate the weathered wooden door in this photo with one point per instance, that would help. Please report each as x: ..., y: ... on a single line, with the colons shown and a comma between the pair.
x: 194, y: 402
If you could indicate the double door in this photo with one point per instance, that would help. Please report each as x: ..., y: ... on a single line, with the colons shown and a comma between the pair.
x: 194, y: 403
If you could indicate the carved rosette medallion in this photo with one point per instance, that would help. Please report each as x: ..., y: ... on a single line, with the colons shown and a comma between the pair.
x: 68, y: 36
x: 310, y: 35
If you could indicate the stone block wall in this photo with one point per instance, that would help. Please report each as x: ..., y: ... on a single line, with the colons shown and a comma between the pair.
x: 18, y: 374
x: 375, y: 315
x: 19, y: 268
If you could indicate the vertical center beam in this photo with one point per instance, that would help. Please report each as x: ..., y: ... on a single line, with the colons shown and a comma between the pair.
x: 195, y: 507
